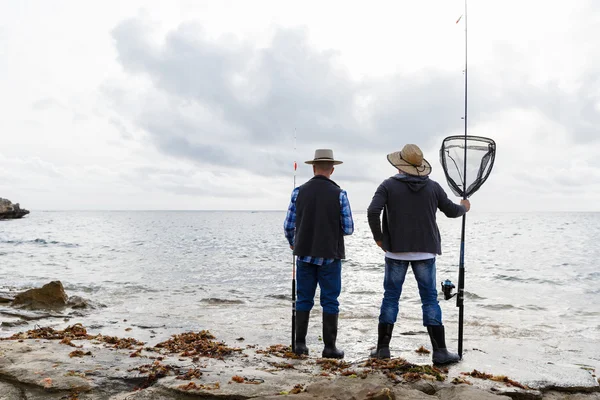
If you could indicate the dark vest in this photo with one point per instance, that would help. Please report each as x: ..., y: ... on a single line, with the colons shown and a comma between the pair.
x: 318, y: 220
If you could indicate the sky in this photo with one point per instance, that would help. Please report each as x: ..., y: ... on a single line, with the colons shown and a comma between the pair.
x: 205, y: 105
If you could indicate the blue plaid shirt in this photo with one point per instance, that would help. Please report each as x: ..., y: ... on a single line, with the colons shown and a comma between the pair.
x: 289, y: 225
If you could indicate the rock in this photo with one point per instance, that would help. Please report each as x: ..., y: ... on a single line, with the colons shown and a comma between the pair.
x: 9, y: 392
x: 29, y: 315
x: 46, y: 369
x: 50, y: 296
x: 570, y: 396
x: 11, y: 324
x: 376, y: 387
x: 467, y: 393
x: 6, y: 297
x: 78, y: 302
x: 8, y: 210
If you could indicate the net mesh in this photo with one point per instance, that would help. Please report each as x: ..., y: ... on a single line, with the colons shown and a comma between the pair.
x: 480, y: 155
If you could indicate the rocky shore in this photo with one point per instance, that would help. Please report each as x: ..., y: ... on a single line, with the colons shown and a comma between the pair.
x: 8, y: 210
x: 74, y: 363
x: 44, y: 363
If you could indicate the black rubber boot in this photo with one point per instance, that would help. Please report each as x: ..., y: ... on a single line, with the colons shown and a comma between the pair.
x: 301, y: 329
x: 441, y: 355
x: 330, y: 327
x: 383, y: 341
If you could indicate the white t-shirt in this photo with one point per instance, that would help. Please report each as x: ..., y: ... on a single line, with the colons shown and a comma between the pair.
x: 409, y: 256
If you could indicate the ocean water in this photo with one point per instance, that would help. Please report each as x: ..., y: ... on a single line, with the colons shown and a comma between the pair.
x: 532, y: 280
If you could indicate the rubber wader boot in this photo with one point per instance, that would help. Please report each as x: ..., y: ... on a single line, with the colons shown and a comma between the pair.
x: 383, y: 341
x: 330, y: 327
x: 301, y: 329
x: 441, y: 355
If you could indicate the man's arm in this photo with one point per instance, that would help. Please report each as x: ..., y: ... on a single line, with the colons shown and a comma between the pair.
x: 289, y: 225
x: 346, y: 214
x: 374, y: 212
x: 448, y: 207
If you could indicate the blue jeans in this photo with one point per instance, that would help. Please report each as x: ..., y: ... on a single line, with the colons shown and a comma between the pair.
x: 395, y: 272
x: 329, y: 278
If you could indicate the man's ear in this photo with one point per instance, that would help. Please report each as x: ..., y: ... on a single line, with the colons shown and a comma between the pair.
x: 332, y: 169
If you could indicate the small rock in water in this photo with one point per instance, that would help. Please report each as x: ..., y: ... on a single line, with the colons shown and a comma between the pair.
x: 6, y: 297
x: 10, y: 324
x: 77, y: 302
x: 50, y: 296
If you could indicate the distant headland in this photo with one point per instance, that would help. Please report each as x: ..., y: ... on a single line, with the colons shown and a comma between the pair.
x: 8, y: 210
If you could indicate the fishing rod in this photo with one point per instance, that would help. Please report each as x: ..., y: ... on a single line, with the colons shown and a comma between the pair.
x: 461, y: 264
x: 454, y: 148
x: 294, y: 265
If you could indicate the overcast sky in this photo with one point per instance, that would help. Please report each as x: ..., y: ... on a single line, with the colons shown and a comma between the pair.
x: 194, y: 104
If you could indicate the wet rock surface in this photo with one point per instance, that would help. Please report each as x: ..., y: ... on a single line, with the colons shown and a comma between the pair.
x: 73, y: 364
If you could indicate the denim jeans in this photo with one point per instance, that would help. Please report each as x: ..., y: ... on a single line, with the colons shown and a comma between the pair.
x: 329, y: 278
x: 395, y: 272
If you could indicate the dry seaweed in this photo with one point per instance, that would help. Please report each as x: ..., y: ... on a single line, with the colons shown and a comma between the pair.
x: 298, y: 388
x: 119, y: 343
x: 73, y: 332
x: 400, y: 365
x: 457, y: 381
x: 155, y: 371
x: 190, y: 374
x: 194, y: 386
x: 332, y: 365
x: 191, y: 344
x: 79, y: 353
x: 281, y: 350
x: 496, y: 378
x: 422, y: 350
x: 282, y: 365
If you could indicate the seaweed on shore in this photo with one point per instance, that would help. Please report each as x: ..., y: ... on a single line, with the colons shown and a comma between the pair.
x: 458, y: 381
x: 280, y: 350
x: 79, y: 353
x: 332, y: 365
x: 190, y: 374
x: 282, y: 365
x: 191, y: 344
x: 194, y: 386
x: 410, y: 372
x: 496, y: 378
x: 73, y: 332
x: 155, y: 371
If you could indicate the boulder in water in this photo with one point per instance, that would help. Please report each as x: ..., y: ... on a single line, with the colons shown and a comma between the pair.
x: 50, y: 296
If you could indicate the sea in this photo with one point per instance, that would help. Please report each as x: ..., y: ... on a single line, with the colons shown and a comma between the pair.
x: 532, y: 281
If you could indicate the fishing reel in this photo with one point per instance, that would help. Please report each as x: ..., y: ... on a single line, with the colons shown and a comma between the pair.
x: 447, y: 287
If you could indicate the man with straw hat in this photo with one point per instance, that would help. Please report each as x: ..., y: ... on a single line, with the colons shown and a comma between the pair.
x: 318, y: 217
x: 410, y: 235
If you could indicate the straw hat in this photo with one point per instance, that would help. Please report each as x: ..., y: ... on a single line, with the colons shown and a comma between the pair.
x: 323, y: 155
x: 410, y: 161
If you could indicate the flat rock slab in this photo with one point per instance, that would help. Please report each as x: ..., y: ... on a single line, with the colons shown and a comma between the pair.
x: 46, y: 365
x: 521, y: 368
x: 9, y: 392
x: 43, y: 369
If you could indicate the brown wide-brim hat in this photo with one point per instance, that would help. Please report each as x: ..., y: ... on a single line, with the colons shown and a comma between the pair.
x: 323, y: 155
x: 410, y: 161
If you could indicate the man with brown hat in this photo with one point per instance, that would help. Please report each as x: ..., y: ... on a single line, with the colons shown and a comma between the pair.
x: 410, y: 235
x: 318, y: 217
